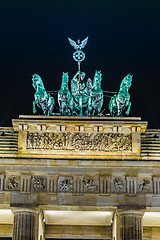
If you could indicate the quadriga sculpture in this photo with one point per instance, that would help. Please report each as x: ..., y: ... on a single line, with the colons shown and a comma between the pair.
x: 42, y: 99
x: 96, y: 96
x: 65, y: 99
x: 120, y: 101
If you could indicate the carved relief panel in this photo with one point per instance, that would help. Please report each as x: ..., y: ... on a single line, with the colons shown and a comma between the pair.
x: 118, y: 184
x: 80, y: 184
x: 12, y: 183
x: 38, y: 184
x: 65, y: 184
x: 107, y: 142
x: 91, y: 185
x: 144, y: 185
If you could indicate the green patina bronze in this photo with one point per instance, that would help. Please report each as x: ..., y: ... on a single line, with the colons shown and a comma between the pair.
x: 42, y: 99
x: 96, y: 96
x: 84, y: 99
x: 120, y: 101
x: 65, y: 98
x: 81, y: 97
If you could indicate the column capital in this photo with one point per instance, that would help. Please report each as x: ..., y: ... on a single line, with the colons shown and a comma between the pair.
x: 139, y: 212
x: 34, y: 211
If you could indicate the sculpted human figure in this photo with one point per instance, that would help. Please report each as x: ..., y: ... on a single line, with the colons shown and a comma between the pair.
x: 80, y: 89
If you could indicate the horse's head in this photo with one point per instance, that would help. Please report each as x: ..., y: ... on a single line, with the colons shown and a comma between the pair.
x: 65, y: 80
x: 89, y: 83
x: 127, y: 81
x: 97, y: 80
x: 82, y: 75
x: 37, y: 81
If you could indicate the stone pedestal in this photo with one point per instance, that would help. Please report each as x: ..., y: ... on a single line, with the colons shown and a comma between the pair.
x: 79, y: 137
x: 25, y: 227
x: 130, y: 225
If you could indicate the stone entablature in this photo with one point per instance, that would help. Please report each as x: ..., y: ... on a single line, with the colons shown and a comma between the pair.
x: 79, y: 164
x: 79, y: 137
x: 80, y: 184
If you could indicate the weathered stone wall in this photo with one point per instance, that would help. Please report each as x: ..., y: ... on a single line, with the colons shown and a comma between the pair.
x: 79, y: 164
x: 151, y: 233
x: 80, y: 232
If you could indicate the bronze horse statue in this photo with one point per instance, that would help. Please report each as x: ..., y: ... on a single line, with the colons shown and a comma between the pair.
x: 65, y: 99
x: 42, y: 99
x: 120, y: 101
x: 96, y: 96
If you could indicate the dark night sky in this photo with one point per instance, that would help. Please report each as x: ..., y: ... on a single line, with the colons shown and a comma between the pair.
x: 124, y: 37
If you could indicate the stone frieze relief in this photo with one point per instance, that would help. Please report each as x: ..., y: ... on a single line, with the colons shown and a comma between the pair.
x: 38, y: 184
x: 107, y: 142
x: 12, y: 183
x: 90, y: 186
x: 118, y: 184
x: 144, y: 186
x: 86, y: 184
x: 65, y: 184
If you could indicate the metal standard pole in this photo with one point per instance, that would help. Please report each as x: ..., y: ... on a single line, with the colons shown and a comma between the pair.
x: 80, y: 97
x: 79, y: 56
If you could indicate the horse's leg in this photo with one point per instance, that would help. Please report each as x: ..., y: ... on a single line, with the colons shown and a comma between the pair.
x: 119, y: 109
x: 51, y: 108
x: 93, y: 112
x: 111, y: 109
x: 128, y: 109
x: 89, y: 106
x: 44, y: 109
x: 34, y: 107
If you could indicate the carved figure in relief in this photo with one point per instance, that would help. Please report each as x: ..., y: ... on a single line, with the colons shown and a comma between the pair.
x: 118, y: 184
x: 42, y: 99
x: 80, y: 141
x: 65, y: 185
x: 38, y: 184
x: 12, y: 185
x: 89, y: 186
x: 144, y: 186
x: 119, y: 102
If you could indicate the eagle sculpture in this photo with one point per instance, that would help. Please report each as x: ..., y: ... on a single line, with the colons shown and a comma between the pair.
x: 79, y: 45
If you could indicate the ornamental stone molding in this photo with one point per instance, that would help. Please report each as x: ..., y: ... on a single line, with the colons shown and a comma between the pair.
x: 80, y: 184
x: 77, y: 137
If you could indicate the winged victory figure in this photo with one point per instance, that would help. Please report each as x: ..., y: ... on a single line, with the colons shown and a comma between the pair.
x: 79, y: 45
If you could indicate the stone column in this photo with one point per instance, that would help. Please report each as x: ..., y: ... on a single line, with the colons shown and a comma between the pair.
x: 25, y: 224
x: 130, y: 225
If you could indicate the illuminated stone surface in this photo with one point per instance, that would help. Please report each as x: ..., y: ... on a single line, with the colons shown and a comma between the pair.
x: 80, y: 177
